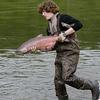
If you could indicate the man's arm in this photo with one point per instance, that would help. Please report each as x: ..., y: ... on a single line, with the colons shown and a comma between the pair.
x: 70, y: 24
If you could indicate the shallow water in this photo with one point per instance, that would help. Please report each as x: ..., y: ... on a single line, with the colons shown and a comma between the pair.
x: 30, y: 76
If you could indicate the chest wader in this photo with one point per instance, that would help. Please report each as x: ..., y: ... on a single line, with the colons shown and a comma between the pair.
x: 65, y: 66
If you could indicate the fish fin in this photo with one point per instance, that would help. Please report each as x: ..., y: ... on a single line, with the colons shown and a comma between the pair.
x: 40, y: 35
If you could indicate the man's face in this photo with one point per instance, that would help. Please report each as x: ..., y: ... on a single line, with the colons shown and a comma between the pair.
x: 47, y: 15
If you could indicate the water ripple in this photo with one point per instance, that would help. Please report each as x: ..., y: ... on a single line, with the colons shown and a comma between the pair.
x: 30, y: 76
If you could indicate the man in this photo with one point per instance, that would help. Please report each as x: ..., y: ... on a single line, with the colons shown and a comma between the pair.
x: 67, y: 49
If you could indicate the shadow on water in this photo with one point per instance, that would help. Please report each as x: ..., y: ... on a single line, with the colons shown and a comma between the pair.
x: 30, y: 76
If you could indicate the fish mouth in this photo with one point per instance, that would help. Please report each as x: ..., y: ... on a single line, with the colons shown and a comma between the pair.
x: 21, y: 51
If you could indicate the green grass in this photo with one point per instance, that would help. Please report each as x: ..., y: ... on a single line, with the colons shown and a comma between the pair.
x: 19, y: 20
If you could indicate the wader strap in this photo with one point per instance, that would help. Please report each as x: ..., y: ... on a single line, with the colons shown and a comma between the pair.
x: 58, y: 24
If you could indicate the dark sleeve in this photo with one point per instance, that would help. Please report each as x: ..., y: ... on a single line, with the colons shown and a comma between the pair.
x: 74, y: 23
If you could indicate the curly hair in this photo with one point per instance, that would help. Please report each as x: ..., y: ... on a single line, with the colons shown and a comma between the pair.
x: 48, y: 6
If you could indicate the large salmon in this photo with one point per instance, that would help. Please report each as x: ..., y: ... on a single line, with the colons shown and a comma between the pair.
x: 43, y: 43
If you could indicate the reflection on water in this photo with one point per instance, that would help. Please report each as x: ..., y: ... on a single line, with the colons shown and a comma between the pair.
x: 90, y: 45
x: 30, y: 76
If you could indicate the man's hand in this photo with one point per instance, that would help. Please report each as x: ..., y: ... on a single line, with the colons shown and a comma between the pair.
x: 61, y: 37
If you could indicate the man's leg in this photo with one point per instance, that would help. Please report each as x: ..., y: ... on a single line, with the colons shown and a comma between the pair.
x: 69, y: 67
x: 85, y: 84
x: 59, y: 84
x: 60, y: 90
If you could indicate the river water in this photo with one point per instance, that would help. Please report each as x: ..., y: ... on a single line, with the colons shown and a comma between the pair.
x: 30, y: 76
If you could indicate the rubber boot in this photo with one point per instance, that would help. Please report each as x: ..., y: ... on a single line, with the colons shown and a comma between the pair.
x: 63, y: 97
x: 93, y: 86
x: 84, y: 84
x: 95, y: 90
